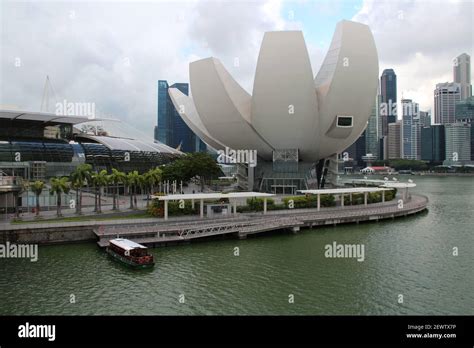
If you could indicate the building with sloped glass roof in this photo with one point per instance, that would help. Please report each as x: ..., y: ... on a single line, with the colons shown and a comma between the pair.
x: 36, y: 145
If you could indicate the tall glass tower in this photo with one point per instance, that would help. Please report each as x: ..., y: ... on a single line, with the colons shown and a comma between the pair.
x: 388, y: 90
x: 372, y: 130
x: 410, y: 130
x: 171, y: 129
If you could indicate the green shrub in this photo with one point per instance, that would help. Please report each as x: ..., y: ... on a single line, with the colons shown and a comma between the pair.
x: 157, y: 208
x: 310, y: 201
x: 389, y: 195
x: 256, y: 203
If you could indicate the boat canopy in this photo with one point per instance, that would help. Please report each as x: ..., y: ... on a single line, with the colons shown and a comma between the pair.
x: 126, y: 244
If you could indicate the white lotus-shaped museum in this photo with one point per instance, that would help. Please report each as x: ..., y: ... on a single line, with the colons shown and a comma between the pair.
x: 289, y: 109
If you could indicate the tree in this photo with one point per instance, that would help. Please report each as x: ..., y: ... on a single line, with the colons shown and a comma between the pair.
x: 197, y: 164
x: 99, y: 180
x: 151, y: 178
x: 177, y: 170
x: 59, y: 186
x: 117, y: 177
x: 37, y: 188
x: 80, y: 177
x: 133, y: 179
x: 202, y: 165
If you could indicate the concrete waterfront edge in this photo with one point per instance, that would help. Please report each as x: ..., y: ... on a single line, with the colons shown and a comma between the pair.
x: 73, y: 232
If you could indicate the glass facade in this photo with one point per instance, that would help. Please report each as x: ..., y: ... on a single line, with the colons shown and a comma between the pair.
x: 372, y: 131
x: 445, y: 97
x: 388, y: 90
x: 410, y: 130
x: 458, y: 141
x: 171, y: 129
x: 162, y: 131
x: 433, y: 143
x: 26, y: 150
x: 465, y: 113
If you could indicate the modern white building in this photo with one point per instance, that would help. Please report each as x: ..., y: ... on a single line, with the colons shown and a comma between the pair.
x: 445, y: 97
x: 462, y: 74
x: 293, y: 120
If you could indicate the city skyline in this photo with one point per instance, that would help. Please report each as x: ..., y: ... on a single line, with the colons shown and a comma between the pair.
x: 117, y: 66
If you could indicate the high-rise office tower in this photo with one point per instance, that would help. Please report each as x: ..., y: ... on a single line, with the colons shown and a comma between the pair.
x: 458, y: 142
x: 372, y: 130
x: 462, y: 74
x: 388, y: 91
x: 465, y: 113
x: 357, y: 149
x: 410, y: 131
x: 171, y: 129
x: 433, y: 148
x: 425, y: 118
x: 394, y: 140
x: 445, y: 97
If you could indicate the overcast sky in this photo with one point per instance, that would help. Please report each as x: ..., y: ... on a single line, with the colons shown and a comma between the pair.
x: 113, y: 53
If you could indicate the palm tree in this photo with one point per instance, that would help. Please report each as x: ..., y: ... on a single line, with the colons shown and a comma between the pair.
x: 99, y: 180
x: 152, y: 177
x: 58, y: 186
x: 132, y: 182
x: 117, y: 177
x: 80, y: 177
x: 37, y: 187
x: 143, y: 184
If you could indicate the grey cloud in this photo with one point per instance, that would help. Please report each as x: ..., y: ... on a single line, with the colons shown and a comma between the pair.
x: 85, y: 46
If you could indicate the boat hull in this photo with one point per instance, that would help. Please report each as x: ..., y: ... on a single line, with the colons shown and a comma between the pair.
x: 126, y: 261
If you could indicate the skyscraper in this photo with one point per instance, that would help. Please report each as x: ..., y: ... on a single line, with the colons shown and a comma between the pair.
x: 462, y: 74
x: 410, y: 131
x: 171, y: 129
x: 372, y: 130
x: 357, y: 149
x: 433, y: 141
x: 445, y: 97
x: 465, y: 113
x: 394, y: 140
x: 163, y: 124
x: 388, y: 90
x: 458, y: 142
x: 425, y: 118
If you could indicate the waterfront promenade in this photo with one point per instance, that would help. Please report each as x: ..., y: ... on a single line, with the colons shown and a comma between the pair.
x: 256, y: 223
x: 157, y: 231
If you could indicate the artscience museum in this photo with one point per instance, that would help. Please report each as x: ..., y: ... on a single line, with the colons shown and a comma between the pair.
x: 296, y: 121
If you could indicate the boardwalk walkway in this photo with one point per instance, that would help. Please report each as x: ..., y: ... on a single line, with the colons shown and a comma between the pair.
x: 245, y: 224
